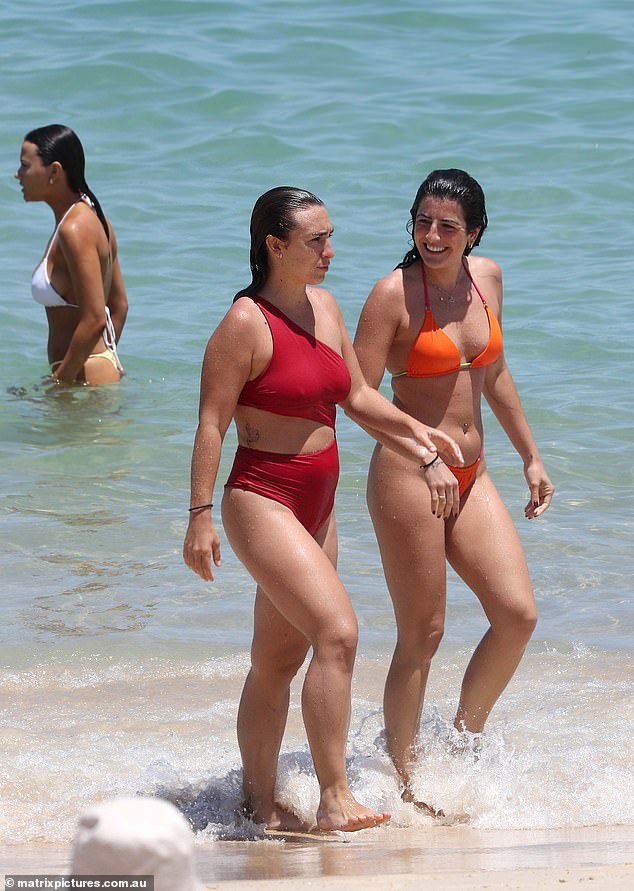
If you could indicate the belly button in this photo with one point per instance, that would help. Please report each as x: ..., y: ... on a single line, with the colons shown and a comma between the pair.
x: 465, y: 427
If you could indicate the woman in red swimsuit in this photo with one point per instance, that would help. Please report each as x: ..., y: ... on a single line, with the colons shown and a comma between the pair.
x: 278, y: 364
x: 434, y: 324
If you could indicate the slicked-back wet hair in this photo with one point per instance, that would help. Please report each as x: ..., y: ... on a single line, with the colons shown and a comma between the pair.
x: 56, y: 142
x: 274, y: 213
x: 454, y: 185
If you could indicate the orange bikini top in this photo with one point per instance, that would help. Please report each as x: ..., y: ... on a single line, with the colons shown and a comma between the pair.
x: 434, y: 353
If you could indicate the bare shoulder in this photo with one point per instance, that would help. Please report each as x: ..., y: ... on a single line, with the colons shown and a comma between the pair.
x: 485, y: 268
x: 323, y: 300
x: 243, y: 318
x: 389, y: 288
x: 322, y: 296
x: 386, y: 300
x: 241, y: 333
x: 488, y: 277
x: 82, y: 230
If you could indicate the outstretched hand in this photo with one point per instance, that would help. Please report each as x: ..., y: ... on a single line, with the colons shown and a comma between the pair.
x: 541, y: 489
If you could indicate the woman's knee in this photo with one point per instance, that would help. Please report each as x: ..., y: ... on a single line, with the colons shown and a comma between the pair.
x: 420, y: 643
x: 279, y: 664
x: 519, y: 620
x: 337, y: 641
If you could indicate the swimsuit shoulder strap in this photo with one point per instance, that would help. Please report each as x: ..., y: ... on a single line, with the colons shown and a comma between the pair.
x: 427, y: 306
x: 57, y: 228
x: 471, y: 278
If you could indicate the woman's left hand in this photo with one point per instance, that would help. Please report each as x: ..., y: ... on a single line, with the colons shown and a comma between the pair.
x: 541, y: 489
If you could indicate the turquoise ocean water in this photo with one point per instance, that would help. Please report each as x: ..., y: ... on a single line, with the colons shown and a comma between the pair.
x: 120, y: 670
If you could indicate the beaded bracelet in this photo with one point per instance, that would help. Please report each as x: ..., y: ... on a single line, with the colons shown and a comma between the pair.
x: 432, y: 462
x: 199, y: 507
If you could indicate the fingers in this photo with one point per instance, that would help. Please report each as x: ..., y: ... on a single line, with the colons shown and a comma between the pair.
x: 537, y: 505
x: 200, y: 563
x: 443, y: 489
x: 198, y: 556
x: 535, y: 509
x: 215, y: 551
x: 447, y: 446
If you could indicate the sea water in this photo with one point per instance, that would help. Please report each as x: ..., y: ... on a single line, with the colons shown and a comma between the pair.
x: 120, y: 669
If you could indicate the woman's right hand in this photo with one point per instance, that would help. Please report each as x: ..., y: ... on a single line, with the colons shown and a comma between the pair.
x: 202, y: 542
x: 443, y: 488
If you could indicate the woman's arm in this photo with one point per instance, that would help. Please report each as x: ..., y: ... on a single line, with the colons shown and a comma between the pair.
x: 78, y: 242
x: 377, y: 328
x: 501, y: 394
x: 117, y: 297
x: 227, y: 365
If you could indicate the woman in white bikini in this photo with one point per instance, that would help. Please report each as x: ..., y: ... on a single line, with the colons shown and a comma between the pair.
x: 78, y: 280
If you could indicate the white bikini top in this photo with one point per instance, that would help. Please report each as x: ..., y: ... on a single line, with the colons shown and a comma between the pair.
x: 42, y: 290
x: 44, y: 293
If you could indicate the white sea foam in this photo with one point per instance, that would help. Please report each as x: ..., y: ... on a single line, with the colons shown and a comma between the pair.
x: 557, y: 752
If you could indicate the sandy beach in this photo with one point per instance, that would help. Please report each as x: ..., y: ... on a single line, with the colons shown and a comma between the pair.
x: 610, y: 877
x: 389, y: 860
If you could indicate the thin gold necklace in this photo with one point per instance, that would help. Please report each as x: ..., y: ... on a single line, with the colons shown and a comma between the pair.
x: 449, y: 296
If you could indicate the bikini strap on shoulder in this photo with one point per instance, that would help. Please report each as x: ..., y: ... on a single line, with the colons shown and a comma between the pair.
x: 427, y: 304
x: 472, y: 280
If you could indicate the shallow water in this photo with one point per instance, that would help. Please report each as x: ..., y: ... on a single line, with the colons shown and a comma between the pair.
x: 120, y: 669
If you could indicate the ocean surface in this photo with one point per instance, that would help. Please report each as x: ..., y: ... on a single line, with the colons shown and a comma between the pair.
x: 119, y: 669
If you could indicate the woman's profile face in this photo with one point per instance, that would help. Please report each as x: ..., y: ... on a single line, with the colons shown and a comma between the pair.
x: 32, y: 174
x: 307, y: 252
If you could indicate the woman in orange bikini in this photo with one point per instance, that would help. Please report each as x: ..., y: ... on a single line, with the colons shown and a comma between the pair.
x: 78, y: 280
x: 435, y: 324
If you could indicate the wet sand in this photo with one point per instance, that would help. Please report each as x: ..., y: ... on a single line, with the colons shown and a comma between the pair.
x: 391, y: 859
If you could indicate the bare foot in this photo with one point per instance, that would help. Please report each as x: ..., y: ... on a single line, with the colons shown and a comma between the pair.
x: 408, y: 796
x: 341, y: 811
x: 275, y: 817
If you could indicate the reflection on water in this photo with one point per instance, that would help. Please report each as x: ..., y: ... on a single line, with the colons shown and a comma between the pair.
x: 426, y: 850
x: 65, y: 416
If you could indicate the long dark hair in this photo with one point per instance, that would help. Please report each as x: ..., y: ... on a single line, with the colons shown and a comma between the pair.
x: 55, y: 142
x: 273, y: 214
x: 456, y: 185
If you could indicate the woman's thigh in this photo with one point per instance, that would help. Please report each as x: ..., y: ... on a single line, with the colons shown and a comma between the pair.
x: 289, y: 565
x: 484, y: 548
x: 277, y: 644
x: 411, y: 541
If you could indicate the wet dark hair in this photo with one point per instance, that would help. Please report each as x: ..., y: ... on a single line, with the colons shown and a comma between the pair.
x: 454, y: 185
x: 55, y: 142
x: 273, y: 214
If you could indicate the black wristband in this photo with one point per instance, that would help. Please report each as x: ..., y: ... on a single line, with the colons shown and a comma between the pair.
x: 199, y: 507
x: 433, y: 461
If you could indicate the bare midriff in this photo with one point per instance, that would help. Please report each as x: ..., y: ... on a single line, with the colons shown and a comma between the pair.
x: 450, y: 402
x: 264, y: 430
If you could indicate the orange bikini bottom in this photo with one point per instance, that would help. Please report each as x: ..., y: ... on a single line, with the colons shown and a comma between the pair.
x: 466, y: 475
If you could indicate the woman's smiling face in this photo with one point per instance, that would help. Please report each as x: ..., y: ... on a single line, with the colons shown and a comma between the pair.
x: 440, y: 230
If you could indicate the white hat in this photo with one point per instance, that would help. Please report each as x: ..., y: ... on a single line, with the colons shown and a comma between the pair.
x: 137, y: 836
